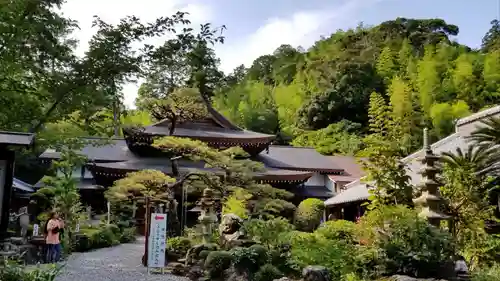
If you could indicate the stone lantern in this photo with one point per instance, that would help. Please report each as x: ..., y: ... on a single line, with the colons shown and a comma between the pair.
x: 430, y: 200
x: 207, y: 216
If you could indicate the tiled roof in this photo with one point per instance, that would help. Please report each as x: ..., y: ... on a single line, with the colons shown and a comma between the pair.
x: 351, y: 166
x: 186, y: 166
x: 15, y: 138
x: 214, y: 133
x: 22, y: 186
x: 355, y: 192
x: 116, y: 150
x: 448, y: 144
x: 297, y: 158
x: 479, y: 116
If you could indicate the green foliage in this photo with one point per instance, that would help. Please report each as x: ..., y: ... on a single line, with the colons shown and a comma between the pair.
x: 235, y: 173
x: 179, y: 245
x: 487, y: 274
x: 103, y: 237
x: 444, y: 115
x: 309, y: 213
x: 408, y: 244
x: 128, y: 235
x: 309, y: 248
x: 217, y: 262
x: 247, y: 259
x: 270, y: 232
x: 337, y: 138
x: 268, y: 272
x: 236, y: 203
x: 338, y: 230
x: 262, y: 253
x: 10, y: 271
x: 137, y: 185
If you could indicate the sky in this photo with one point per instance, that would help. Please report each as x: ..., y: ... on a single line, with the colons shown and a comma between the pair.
x: 258, y: 27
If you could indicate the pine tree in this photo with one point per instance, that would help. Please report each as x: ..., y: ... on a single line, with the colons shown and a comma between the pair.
x: 378, y: 112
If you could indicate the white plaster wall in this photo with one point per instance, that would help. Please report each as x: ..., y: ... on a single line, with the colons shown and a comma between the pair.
x: 317, y: 179
x: 330, y: 184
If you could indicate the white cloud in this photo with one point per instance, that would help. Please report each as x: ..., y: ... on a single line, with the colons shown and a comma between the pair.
x: 300, y: 29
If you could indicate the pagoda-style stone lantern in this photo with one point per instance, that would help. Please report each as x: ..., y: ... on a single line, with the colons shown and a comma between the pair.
x: 207, y: 217
x: 430, y: 200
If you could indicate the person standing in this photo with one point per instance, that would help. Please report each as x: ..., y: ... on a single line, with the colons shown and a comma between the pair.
x: 53, y: 229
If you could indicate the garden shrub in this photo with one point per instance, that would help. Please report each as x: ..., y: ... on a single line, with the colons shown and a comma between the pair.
x: 204, y: 254
x: 308, y: 214
x: 10, y: 271
x: 96, y: 238
x: 114, y: 229
x: 281, y: 257
x: 487, y: 274
x: 262, y: 253
x: 245, y: 259
x: 217, y: 262
x: 268, y: 232
x: 407, y: 243
x: 268, y: 272
x: 179, y: 244
x: 312, y: 249
x: 128, y: 235
x: 338, y: 230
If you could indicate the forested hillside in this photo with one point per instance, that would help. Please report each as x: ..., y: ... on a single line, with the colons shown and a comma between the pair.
x: 316, y: 97
x: 320, y: 96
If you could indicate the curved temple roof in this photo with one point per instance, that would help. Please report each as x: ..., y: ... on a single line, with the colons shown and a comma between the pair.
x: 118, y: 169
x: 215, y: 130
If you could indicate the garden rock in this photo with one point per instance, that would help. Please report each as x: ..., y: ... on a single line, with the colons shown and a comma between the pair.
x: 177, y: 268
x: 195, y: 273
x: 316, y: 273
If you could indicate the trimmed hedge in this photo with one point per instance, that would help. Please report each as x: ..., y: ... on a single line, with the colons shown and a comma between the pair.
x: 103, y: 237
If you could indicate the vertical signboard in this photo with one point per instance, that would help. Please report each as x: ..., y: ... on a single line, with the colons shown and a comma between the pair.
x: 157, y: 240
x: 3, y: 174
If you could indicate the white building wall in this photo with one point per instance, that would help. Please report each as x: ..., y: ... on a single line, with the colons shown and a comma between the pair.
x: 330, y: 184
x: 317, y: 180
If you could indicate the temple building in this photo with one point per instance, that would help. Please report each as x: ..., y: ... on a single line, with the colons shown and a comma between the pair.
x: 303, y: 171
x: 356, y: 193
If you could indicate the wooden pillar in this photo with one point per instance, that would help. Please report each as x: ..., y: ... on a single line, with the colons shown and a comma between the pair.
x: 6, y: 177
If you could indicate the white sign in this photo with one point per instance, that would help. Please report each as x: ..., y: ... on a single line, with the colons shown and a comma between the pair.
x: 77, y: 228
x: 36, y: 229
x: 157, y: 240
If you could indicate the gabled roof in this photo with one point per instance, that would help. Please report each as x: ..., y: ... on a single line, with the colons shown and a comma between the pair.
x: 356, y: 191
x: 16, y: 138
x: 351, y: 166
x: 113, y: 151
x: 297, y: 158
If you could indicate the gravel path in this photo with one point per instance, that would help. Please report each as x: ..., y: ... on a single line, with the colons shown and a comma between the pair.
x: 120, y: 263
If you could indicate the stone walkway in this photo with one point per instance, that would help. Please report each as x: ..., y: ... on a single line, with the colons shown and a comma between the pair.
x: 120, y: 263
